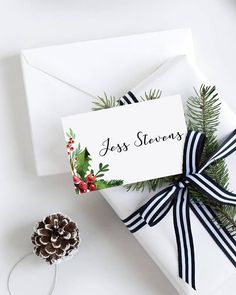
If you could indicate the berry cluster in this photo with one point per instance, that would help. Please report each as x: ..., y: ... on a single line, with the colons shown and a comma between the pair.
x: 69, y: 145
x: 86, y: 179
x: 84, y: 186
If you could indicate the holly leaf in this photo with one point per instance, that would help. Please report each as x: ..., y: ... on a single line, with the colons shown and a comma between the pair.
x: 83, y: 163
x: 102, y: 184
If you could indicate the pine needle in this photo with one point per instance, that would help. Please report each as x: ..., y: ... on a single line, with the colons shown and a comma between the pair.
x: 203, y: 112
x: 152, y: 94
x: 105, y: 102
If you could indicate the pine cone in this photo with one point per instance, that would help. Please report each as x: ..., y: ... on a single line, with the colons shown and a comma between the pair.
x: 55, y: 237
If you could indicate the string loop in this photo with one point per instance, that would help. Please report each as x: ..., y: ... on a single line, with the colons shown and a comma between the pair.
x: 52, y: 287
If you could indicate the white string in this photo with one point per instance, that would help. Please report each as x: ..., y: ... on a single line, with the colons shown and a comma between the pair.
x: 53, y: 285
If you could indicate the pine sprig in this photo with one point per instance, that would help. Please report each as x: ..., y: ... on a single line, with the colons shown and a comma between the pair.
x: 151, y: 184
x: 103, y: 184
x: 203, y: 111
x: 152, y: 94
x: 105, y: 102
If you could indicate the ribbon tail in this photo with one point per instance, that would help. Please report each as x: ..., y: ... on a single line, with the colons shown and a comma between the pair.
x: 162, y: 202
x: 184, y: 238
x: 209, y: 187
x: 219, y: 234
x: 134, y: 222
x: 225, y: 149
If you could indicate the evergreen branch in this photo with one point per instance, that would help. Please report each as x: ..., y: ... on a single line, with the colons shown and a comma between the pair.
x: 103, y: 184
x: 203, y: 111
x: 111, y: 101
x: 151, y: 184
x: 105, y: 102
x: 152, y: 94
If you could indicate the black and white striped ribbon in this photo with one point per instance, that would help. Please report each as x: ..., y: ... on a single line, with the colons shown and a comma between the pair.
x: 128, y: 98
x: 176, y: 197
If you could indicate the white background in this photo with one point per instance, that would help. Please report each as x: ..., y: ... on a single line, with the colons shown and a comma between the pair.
x: 110, y: 260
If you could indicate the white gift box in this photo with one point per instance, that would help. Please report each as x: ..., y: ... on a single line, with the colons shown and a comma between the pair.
x: 64, y: 80
x: 213, y: 269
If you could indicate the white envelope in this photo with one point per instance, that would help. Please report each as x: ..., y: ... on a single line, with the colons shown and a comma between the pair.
x: 64, y: 80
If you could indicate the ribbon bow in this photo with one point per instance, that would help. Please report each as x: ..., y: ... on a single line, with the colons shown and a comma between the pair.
x: 176, y: 196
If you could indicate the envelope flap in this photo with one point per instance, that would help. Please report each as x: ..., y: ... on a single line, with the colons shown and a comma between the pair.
x: 110, y: 65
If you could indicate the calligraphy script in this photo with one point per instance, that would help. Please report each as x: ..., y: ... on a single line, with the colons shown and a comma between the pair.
x: 141, y: 139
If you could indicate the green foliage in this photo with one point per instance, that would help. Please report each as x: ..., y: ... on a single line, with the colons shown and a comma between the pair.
x: 70, y: 134
x: 102, y: 184
x: 203, y: 111
x: 102, y: 169
x: 82, y: 163
x: 151, y: 184
x: 105, y: 102
x: 80, y: 166
x: 152, y: 94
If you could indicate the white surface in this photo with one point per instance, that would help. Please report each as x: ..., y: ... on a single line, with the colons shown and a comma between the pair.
x: 110, y: 259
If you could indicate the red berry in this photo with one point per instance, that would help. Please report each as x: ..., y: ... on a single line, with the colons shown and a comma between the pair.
x: 90, y: 178
x: 83, y: 186
x: 71, y: 148
x: 71, y: 141
x: 92, y: 187
x: 76, y: 179
x: 68, y: 146
x: 70, y: 138
x: 83, y: 191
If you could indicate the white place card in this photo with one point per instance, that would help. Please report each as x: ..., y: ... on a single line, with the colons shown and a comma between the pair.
x: 126, y: 144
